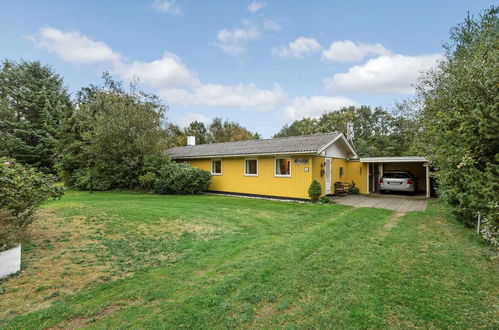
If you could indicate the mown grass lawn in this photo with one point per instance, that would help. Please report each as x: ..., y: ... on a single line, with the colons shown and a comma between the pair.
x: 121, y: 259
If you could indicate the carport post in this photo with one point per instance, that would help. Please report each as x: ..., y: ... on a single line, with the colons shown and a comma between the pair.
x: 427, y: 180
x: 368, y: 180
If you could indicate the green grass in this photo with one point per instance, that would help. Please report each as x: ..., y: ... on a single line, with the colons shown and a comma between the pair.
x: 222, y: 262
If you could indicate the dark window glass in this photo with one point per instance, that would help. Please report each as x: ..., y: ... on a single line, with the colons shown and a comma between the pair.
x: 251, y: 166
x: 216, y: 167
x: 397, y: 175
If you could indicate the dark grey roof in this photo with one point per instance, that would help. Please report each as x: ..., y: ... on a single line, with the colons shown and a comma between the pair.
x: 293, y: 144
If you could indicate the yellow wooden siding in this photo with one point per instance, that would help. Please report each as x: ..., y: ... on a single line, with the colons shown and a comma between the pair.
x: 357, y: 172
x: 234, y: 180
x: 352, y: 171
x: 266, y: 183
x: 316, y: 172
x: 335, y: 177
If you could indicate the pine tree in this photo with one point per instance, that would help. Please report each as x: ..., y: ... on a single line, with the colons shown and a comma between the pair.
x: 34, y: 110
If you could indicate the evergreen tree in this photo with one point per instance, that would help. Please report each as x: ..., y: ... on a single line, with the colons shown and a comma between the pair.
x: 34, y: 111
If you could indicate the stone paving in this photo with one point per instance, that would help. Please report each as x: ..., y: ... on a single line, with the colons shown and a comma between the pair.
x: 396, y: 203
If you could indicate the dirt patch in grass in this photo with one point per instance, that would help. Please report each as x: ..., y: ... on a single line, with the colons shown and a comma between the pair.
x: 265, y: 313
x: 86, y: 320
x: 177, y: 227
x: 54, y: 264
x: 64, y: 255
x: 394, y: 220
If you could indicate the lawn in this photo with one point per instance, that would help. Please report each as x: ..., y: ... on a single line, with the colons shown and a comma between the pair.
x: 122, y: 259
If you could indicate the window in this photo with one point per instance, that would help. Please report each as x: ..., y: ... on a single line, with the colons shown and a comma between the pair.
x: 341, y: 172
x: 216, y: 167
x: 397, y: 175
x: 250, y: 167
x: 283, y: 167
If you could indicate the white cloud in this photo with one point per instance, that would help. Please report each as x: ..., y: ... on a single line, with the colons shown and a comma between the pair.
x: 348, y: 51
x: 168, y: 75
x: 190, y: 117
x: 237, y: 96
x: 256, y: 6
x: 73, y: 47
x: 385, y: 74
x: 234, y: 41
x: 271, y: 25
x: 167, y: 7
x: 298, y: 48
x: 169, y: 71
x: 315, y: 106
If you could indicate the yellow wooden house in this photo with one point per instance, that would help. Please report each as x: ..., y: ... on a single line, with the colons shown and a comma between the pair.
x: 281, y: 167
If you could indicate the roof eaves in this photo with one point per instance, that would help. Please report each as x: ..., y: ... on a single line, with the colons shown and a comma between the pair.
x: 305, y: 152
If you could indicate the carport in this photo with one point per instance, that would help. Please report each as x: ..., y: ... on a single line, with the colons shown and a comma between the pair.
x: 418, y: 166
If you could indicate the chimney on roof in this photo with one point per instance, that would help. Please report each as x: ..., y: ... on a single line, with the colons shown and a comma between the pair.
x: 350, y: 132
x: 191, y: 140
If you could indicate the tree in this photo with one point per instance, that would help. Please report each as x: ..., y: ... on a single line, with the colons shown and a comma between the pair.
x: 217, y: 131
x: 377, y: 132
x: 197, y: 129
x: 117, y: 134
x: 175, y: 136
x: 225, y: 131
x: 34, y: 111
x: 459, y: 117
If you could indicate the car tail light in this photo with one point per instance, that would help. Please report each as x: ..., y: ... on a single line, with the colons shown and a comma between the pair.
x: 381, y: 181
x: 410, y: 181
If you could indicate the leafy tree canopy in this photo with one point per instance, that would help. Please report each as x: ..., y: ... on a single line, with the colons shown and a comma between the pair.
x: 377, y: 132
x: 459, y: 120
x: 116, y: 134
x: 217, y: 131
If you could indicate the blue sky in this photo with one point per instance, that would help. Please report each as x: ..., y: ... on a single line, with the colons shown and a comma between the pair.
x: 261, y: 63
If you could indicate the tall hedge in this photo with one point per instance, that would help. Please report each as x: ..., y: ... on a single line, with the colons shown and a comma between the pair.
x: 460, y: 122
x: 181, y: 179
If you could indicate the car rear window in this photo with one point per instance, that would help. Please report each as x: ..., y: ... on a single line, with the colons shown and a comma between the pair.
x: 398, y: 175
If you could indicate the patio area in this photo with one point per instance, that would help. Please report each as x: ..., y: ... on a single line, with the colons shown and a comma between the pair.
x: 398, y: 203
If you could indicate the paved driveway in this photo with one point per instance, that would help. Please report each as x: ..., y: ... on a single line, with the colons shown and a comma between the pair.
x: 395, y: 203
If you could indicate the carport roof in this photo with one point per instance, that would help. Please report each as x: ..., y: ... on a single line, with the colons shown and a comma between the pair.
x: 403, y: 159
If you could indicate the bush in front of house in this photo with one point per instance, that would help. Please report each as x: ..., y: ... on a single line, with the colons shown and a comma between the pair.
x: 353, y: 190
x: 22, y: 190
x: 181, y: 179
x: 315, y: 191
x: 325, y: 200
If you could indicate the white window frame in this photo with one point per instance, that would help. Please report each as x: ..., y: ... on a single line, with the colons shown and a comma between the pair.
x: 214, y: 160
x: 275, y: 167
x: 247, y: 174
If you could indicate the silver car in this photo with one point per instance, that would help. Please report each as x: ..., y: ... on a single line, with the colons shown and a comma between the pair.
x: 401, y: 181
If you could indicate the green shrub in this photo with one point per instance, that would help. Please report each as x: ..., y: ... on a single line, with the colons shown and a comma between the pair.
x: 181, y: 179
x: 22, y: 190
x: 10, y: 232
x: 315, y: 191
x: 147, y: 181
x: 353, y: 190
x: 88, y: 179
x: 325, y: 200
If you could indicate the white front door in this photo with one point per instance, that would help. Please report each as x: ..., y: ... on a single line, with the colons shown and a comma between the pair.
x: 328, y: 176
